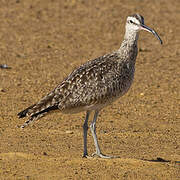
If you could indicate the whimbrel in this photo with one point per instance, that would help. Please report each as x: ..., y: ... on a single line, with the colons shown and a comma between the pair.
x: 95, y: 84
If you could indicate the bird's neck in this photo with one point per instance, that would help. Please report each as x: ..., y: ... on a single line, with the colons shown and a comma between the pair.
x: 131, y: 37
x: 128, y: 48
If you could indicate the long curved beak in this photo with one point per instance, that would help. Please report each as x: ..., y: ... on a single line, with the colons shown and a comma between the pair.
x: 146, y: 28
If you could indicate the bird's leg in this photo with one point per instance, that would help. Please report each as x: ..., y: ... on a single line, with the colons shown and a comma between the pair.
x: 85, y: 129
x: 93, y: 130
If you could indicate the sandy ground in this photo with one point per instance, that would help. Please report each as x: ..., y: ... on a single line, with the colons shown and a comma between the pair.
x: 43, y: 41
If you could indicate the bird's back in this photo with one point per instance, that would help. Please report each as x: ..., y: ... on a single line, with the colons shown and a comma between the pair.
x: 94, y: 84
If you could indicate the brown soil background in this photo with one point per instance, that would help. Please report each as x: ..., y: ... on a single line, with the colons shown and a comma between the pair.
x: 43, y: 41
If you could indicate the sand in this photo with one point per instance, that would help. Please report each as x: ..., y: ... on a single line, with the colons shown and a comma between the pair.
x: 42, y: 42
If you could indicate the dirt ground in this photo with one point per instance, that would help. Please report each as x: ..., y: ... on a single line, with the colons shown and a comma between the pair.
x: 43, y: 41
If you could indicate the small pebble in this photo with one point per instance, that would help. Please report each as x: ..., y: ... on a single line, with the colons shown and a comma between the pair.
x: 4, y: 66
x: 44, y: 153
x: 2, y: 90
x: 69, y: 132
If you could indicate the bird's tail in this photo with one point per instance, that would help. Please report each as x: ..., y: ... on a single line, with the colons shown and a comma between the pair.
x: 39, y: 109
x: 23, y: 113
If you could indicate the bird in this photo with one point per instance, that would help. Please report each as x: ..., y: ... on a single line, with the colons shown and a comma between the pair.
x: 95, y: 84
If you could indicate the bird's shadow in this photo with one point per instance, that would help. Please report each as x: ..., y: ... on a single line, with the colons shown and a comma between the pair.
x: 158, y: 159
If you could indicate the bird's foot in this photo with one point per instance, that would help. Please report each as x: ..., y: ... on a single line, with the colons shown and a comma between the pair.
x: 87, y: 156
x: 100, y: 155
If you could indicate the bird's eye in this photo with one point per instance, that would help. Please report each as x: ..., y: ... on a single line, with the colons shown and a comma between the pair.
x: 131, y: 21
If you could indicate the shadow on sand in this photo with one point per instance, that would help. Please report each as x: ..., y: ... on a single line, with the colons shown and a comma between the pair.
x: 158, y: 159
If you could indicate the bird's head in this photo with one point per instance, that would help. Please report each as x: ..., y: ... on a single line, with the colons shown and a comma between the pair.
x: 135, y: 23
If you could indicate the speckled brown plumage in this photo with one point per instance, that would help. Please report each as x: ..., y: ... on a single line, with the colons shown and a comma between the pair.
x: 94, y: 84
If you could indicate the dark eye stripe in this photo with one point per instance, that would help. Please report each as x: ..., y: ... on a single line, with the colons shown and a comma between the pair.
x: 131, y: 21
